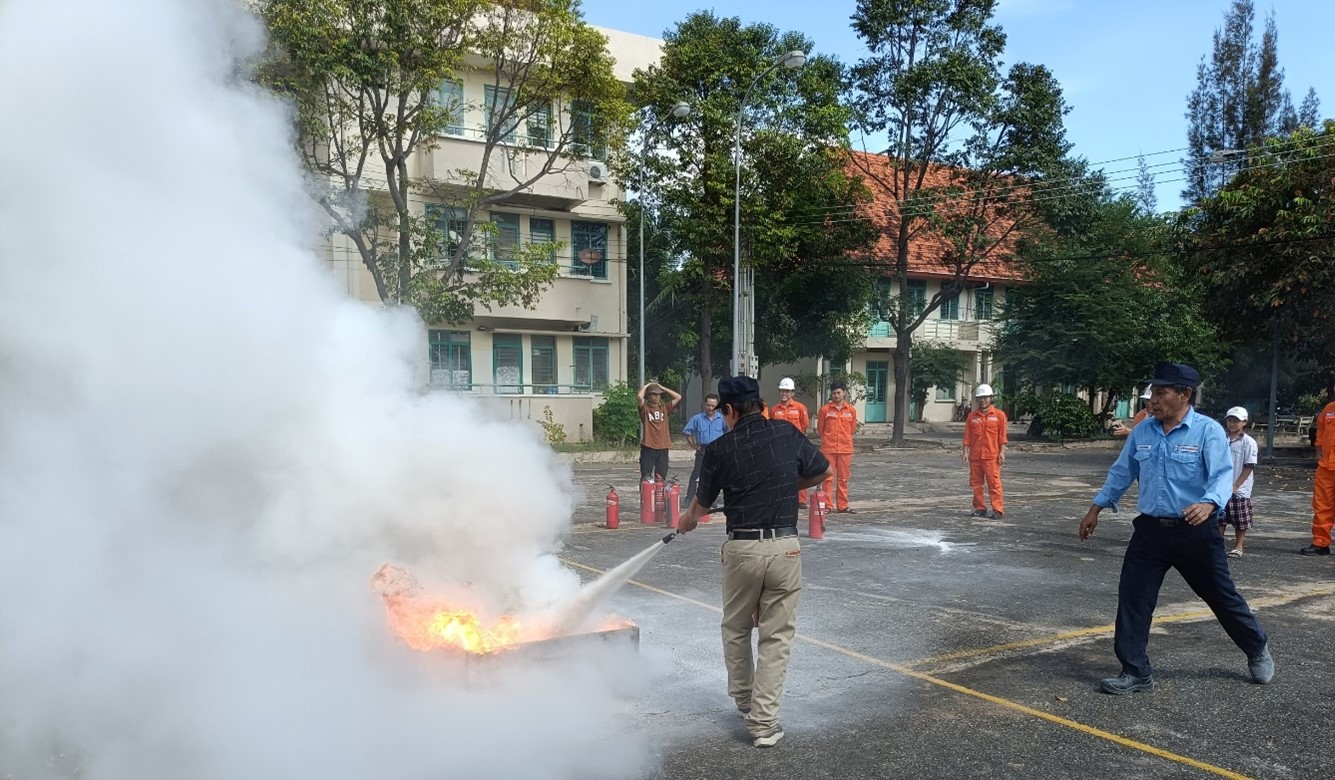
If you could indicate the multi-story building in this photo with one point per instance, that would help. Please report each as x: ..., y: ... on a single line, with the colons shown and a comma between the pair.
x: 561, y: 353
x: 963, y: 322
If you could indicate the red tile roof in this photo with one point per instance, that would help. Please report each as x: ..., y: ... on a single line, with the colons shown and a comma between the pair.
x: 929, y: 251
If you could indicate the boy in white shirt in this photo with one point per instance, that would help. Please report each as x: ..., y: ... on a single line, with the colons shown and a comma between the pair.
x: 1238, y: 512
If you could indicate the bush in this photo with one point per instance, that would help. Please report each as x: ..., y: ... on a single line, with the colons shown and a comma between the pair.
x: 617, y: 419
x: 1060, y: 416
x: 553, y: 430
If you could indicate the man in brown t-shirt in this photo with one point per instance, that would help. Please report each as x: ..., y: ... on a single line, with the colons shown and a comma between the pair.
x: 655, y: 439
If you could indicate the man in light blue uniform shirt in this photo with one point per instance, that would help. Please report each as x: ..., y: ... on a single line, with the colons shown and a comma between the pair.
x: 700, y: 430
x: 1182, y: 463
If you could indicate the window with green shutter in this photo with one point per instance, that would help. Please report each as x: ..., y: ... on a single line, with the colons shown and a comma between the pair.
x: 499, y: 106
x: 451, y: 356
x: 916, y: 290
x: 588, y: 136
x: 543, y: 231
x: 588, y: 245
x: 982, y: 304
x: 507, y: 362
x: 450, y: 222
x: 450, y: 97
x: 505, y: 241
x: 590, y: 364
x: 540, y: 126
x: 950, y: 307
x: 543, y: 363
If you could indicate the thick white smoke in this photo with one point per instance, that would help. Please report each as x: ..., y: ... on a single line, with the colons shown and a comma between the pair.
x: 206, y: 450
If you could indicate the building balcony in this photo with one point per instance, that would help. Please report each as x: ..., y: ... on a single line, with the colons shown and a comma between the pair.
x: 968, y: 335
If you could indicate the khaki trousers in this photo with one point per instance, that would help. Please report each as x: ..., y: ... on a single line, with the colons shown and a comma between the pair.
x: 764, y: 575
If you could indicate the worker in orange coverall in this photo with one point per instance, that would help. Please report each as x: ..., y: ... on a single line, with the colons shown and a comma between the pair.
x: 836, y: 423
x: 794, y: 412
x: 984, y: 452
x: 1323, y: 485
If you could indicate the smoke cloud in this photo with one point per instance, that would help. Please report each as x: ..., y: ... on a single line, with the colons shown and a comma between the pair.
x: 206, y: 449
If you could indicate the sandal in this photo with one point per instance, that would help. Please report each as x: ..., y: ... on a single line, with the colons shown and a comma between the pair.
x: 1235, y: 553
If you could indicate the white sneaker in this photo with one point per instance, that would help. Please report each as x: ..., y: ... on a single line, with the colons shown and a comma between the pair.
x: 769, y: 740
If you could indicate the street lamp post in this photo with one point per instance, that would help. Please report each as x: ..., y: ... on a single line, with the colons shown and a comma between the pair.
x: 679, y: 111
x: 1219, y: 157
x: 742, y: 325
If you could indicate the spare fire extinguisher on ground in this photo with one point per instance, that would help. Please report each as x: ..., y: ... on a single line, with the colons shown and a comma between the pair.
x: 613, y: 508
x: 647, y: 502
x: 660, y: 500
x: 673, y: 503
x: 816, y: 510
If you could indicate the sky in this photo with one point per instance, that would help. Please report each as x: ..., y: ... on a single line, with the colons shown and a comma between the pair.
x: 1126, y: 67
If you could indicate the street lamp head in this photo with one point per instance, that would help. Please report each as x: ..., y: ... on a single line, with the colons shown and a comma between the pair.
x: 793, y: 60
x: 681, y: 110
x: 1222, y: 155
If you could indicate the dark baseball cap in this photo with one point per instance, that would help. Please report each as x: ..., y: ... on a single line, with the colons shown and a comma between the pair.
x: 1174, y: 374
x: 738, y: 390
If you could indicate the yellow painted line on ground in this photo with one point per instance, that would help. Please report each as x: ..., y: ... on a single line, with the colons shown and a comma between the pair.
x: 1178, y: 617
x: 927, y: 678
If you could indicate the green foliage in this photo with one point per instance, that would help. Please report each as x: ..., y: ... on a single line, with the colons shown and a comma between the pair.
x: 366, y: 80
x: 553, y: 430
x: 1264, y: 246
x: 1239, y: 100
x: 617, y: 418
x: 1059, y: 416
x: 1105, y: 302
x: 793, y: 132
x: 962, y: 135
x: 935, y: 365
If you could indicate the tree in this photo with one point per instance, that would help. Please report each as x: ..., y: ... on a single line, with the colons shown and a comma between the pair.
x: 1103, y: 306
x: 794, y: 133
x: 967, y: 144
x: 1265, y: 245
x: 1239, y: 99
x: 935, y: 365
x: 374, y: 83
x: 1146, y: 199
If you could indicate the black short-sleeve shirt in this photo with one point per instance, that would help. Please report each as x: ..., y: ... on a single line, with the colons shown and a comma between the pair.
x: 756, y: 466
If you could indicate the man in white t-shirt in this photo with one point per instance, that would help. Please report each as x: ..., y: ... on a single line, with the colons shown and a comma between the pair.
x: 1238, y: 511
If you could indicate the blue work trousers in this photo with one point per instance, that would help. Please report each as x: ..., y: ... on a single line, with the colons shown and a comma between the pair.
x: 1197, y: 552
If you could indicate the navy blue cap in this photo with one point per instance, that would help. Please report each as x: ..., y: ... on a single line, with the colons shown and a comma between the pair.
x: 1175, y: 374
x: 738, y: 390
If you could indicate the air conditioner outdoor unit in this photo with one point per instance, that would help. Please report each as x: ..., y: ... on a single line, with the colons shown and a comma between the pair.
x: 597, y: 173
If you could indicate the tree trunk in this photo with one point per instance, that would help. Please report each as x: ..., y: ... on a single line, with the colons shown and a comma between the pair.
x: 903, y: 348
x: 706, y: 358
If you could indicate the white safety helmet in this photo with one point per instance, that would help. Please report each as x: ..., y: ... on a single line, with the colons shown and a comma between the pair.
x: 983, y: 389
x: 787, y: 384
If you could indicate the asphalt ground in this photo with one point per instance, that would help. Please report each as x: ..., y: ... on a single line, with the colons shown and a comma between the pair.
x: 936, y: 645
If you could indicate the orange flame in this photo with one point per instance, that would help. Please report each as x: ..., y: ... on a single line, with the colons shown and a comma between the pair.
x: 428, y: 623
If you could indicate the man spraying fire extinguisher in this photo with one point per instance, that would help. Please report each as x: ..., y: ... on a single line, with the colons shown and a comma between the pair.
x: 759, y: 467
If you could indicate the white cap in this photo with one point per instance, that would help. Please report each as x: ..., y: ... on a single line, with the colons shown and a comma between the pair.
x: 786, y: 384
x: 1237, y: 412
x: 1147, y: 392
x: 983, y: 389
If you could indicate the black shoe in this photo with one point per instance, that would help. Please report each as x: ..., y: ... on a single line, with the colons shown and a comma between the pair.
x: 1126, y: 683
x: 848, y: 511
x: 1312, y: 549
x: 995, y: 515
x: 980, y: 513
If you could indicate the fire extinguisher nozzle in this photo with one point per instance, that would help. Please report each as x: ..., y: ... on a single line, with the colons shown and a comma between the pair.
x: 670, y: 537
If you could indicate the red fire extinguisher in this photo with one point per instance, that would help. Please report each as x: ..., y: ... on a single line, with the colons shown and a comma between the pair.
x: 660, y: 500
x: 613, y: 508
x: 673, y: 504
x: 647, y: 502
x: 816, y: 510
